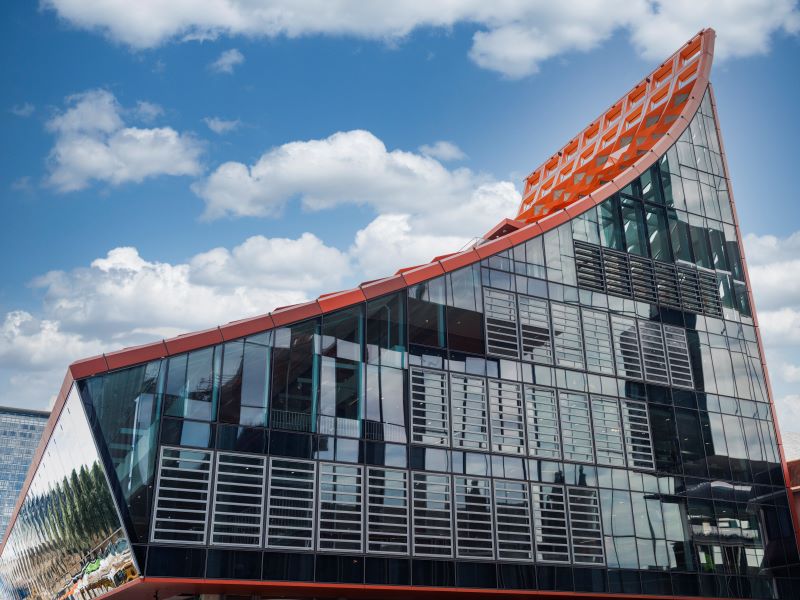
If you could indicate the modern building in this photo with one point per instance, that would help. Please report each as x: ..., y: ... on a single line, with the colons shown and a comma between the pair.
x: 577, y: 404
x: 20, y: 432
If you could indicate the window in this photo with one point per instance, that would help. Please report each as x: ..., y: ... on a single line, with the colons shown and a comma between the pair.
x: 183, y: 491
x: 627, y: 355
x: 657, y: 233
x: 290, y: 508
x: 507, y: 420
x: 576, y: 427
x: 237, y: 518
x: 611, y: 233
x: 597, y: 336
x: 426, y: 313
x: 513, y: 521
x: 190, y: 391
x: 469, y: 412
x: 559, y: 255
x: 430, y: 422
x: 387, y: 511
x: 385, y: 400
x: 679, y: 236
x: 680, y: 368
x: 243, y: 381
x: 568, y: 336
x: 549, y: 515
x: 501, y: 323
x: 542, y: 418
x: 432, y: 505
x: 293, y: 377
x: 653, y: 353
x: 638, y: 444
x: 633, y: 226
x: 584, y: 520
x: 386, y: 330
x: 473, y: 518
x: 340, y: 507
x: 608, y: 438
x: 340, y: 372
x: 534, y: 319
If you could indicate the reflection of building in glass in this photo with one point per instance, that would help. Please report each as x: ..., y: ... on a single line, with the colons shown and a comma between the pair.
x: 20, y: 431
x: 576, y: 403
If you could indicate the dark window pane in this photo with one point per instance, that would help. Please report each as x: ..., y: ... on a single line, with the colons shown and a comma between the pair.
x: 283, y: 566
x: 633, y: 224
x: 175, y: 562
x: 516, y: 577
x: 190, y: 389
x: 691, y: 442
x: 179, y: 432
x: 611, y: 234
x: 386, y: 330
x: 700, y: 245
x: 465, y: 330
x: 233, y: 564
x: 432, y: 572
x: 426, y: 313
x: 339, y: 394
x: 718, y: 254
x: 388, y: 571
x: 679, y: 235
x: 464, y: 288
x: 293, y: 380
x: 657, y: 234
x: 241, y: 439
x: 243, y: 384
x: 340, y: 334
x: 476, y: 575
x: 651, y: 192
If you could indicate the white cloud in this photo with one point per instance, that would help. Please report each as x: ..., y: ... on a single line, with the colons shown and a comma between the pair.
x: 351, y: 167
x: 790, y: 373
x: 443, y: 150
x: 514, y: 36
x: 221, y: 126
x: 23, y: 110
x: 788, y: 409
x: 227, y: 61
x: 93, y: 143
x: 148, y: 111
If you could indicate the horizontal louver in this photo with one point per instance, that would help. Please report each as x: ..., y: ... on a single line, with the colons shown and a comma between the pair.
x: 340, y: 507
x: 597, y: 338
x: 238, y: 514
x: 585, y: 529
x: 589, y: 266
x: 643, y: 280
x: 290, y: 507
x: 500, y: 311
x: 470, y: 412
x: 432, y: 524
x: 680, y: 366
x: 473, y: 517
x: 549, y: 516
x: 534, y: 322
x: 567, y: 335
x: 513, y: 521
x: 653, y: 353
x: 387, y: 511
x: 617, y: 273
x: 430, y: 422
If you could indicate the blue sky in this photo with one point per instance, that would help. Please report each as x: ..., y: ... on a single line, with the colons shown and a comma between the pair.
x: 162, y: 168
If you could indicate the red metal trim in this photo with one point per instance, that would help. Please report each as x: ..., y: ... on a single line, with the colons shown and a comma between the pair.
x: 168, y: 586
x: 381, y: 287
x: 459, y: 260
x: 422, y: 273
x: 491, y: 248
x: 793, y: 509
x: 297, y: 312
x: 192, y: 341
x: 88, y: 366
x: 245, y: 327
x: 504, y: 227
x: 135, y: 355
x: 339, y: 300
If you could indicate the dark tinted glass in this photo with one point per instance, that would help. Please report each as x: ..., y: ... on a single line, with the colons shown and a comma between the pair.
x: 433, y: 572
x: 284, y: 566
x: 426, y: 313
x: 386, y: 330
x: 293, y: 366
x: 243, y: 382
x: 175, y: 562
x: 633, y: 226
x: 233, y: 564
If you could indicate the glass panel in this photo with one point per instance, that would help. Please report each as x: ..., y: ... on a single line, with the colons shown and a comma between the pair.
x: 638, y: 443
x: 469, y: 412
x: 627, y: 354
x: 124, y: 408
x: 191, y: 390
x: 633, y: 224
x: 432, y: 504
x: 294, y: 378
x: 611, y: 232
x: 568, y: 336
x: 387, y: 511
x: 679, y: 235
x: 507, y: 421
x: 560, y: 255
x: 597, y: 336
x: 183, y: 495
x: 512, y: 515
x: 700, y: 244
x: 576, y: 427
x: 386, y: 330
x: 430, y: 423
x: 608, y: 438
x: 534, y: 319
x: 426, y: 313
x: 243, y: 382
x: 290, y: 508
x: 653, y: 352
x: 549, y: 515
x: 717, y: 238
x: 657, y: 233
x: 585, y: 532
x: 238, y: 514
x: 386, y: 404
x: 67, y: 521
x: 473, y: 517
x: 585, y: 228
x: 340, y: 507
x: 542, y: 422
x: 501, y: 323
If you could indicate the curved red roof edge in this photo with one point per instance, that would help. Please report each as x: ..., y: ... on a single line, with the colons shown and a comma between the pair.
x: 283, y: 316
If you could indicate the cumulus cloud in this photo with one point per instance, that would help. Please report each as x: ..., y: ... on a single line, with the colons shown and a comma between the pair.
x: 443, y: 150
x: 221, y: 126
x: 350, y: 167
x: 148, y: 111
x: 513, y: 37
x: 22, y: 110
x: 94, y: 144
x: 227, y: 61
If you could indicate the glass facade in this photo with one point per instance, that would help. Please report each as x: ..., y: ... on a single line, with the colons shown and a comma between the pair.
x: 584, y: 412
x: 67, y: 540
x: 20, y: 431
